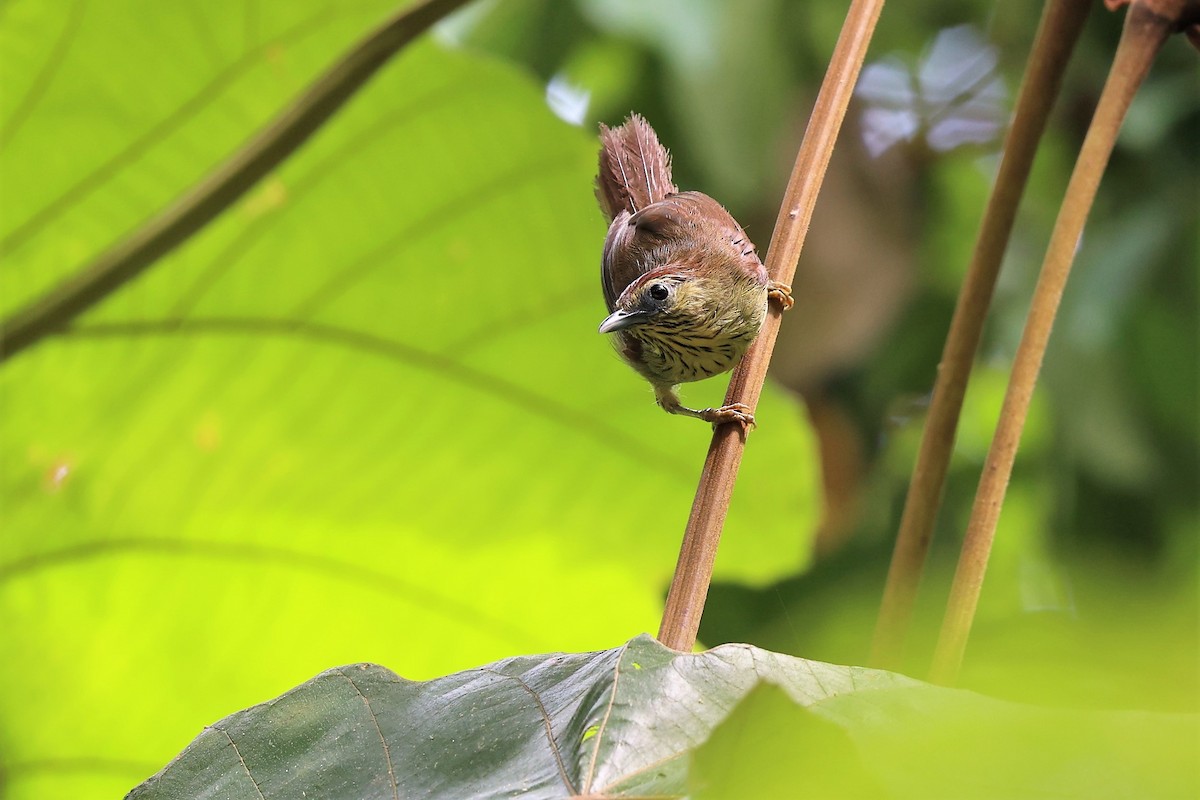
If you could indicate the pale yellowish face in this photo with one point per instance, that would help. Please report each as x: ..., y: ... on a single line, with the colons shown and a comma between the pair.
x: 676, y: 328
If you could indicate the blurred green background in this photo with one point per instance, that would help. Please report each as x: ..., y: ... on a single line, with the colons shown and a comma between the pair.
x: 365, y: 416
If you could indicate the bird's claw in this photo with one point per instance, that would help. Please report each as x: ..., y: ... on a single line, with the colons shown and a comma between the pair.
x: 781, y: 293
x: 740, y: 413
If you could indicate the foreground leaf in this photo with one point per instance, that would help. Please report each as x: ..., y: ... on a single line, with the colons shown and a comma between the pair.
x: 617, y: 722
x: 633, y: 721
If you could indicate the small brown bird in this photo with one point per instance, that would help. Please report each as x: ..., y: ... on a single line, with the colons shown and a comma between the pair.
x: 685, y: 290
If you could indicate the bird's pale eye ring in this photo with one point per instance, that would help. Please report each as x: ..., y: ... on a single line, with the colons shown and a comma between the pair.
x: 658, y: 291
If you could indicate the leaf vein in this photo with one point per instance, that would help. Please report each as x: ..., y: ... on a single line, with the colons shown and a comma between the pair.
x: 562, y: 768
x: 242, y: 760
x: 45, y: 77
x: 525, y: 399
x: 387, y: 751
x: 317, y: 174
x: 602, y: 728
x: 159, y: 131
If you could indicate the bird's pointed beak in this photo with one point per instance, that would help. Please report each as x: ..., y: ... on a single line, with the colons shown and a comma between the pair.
x: 620, y: 319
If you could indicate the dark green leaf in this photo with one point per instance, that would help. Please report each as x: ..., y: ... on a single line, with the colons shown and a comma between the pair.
x: 619, y: 722
x: 644, y: 721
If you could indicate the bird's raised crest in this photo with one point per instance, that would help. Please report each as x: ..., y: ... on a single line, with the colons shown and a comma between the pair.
x: 635, y: 169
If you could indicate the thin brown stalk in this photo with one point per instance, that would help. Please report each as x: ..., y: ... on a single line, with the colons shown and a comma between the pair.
x: 1058, y: 31
x: 693, y: 572
x: 173, y: 225
x: 1144, y: 33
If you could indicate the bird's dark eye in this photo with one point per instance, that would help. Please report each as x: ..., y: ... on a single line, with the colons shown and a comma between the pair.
x: 658, y: 291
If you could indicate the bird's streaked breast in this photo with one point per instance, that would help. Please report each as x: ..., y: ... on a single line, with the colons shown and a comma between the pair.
x: 676, y: 349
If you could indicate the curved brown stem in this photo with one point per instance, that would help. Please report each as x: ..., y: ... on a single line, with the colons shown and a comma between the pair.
x: 1144, y: 33
x: 1057, y: 34
x: 172, y: 226
x: 693, y: 572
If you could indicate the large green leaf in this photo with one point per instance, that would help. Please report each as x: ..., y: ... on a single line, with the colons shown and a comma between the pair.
x: 363, y: 416
x: 619, y: 722
x: 644, y: 721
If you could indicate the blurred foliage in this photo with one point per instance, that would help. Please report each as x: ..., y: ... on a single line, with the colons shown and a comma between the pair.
x: 921, y: 741
x: 372, y: 392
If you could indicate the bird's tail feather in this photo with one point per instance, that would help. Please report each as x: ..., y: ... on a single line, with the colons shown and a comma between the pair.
x: 635, y: 169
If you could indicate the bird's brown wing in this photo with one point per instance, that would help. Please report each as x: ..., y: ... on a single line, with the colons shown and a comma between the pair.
x: 620, y: 264
x: 702, y: 225
x: 685, y: 226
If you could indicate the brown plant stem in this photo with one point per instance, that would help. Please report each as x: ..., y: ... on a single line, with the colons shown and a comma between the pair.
x: 1058, y: 31
x: 173, y: 225
x: 1143, y: 34
x: 693, y: 572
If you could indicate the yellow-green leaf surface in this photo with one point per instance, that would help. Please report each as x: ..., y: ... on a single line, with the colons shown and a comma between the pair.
x: 364, y: 416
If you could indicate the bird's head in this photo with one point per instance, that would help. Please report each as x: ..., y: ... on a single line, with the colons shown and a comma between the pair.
x: 653, y: 298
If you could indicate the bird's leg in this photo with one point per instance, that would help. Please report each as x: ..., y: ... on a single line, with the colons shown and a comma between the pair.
x: 740, y: 413
x: 781, y: 293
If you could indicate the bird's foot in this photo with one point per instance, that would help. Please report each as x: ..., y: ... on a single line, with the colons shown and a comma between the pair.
x: 740, y: 413
x: 781, y: 293
x: 734, y: 412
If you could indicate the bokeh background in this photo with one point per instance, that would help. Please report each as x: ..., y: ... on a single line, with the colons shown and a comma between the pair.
x: 364, y: 416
